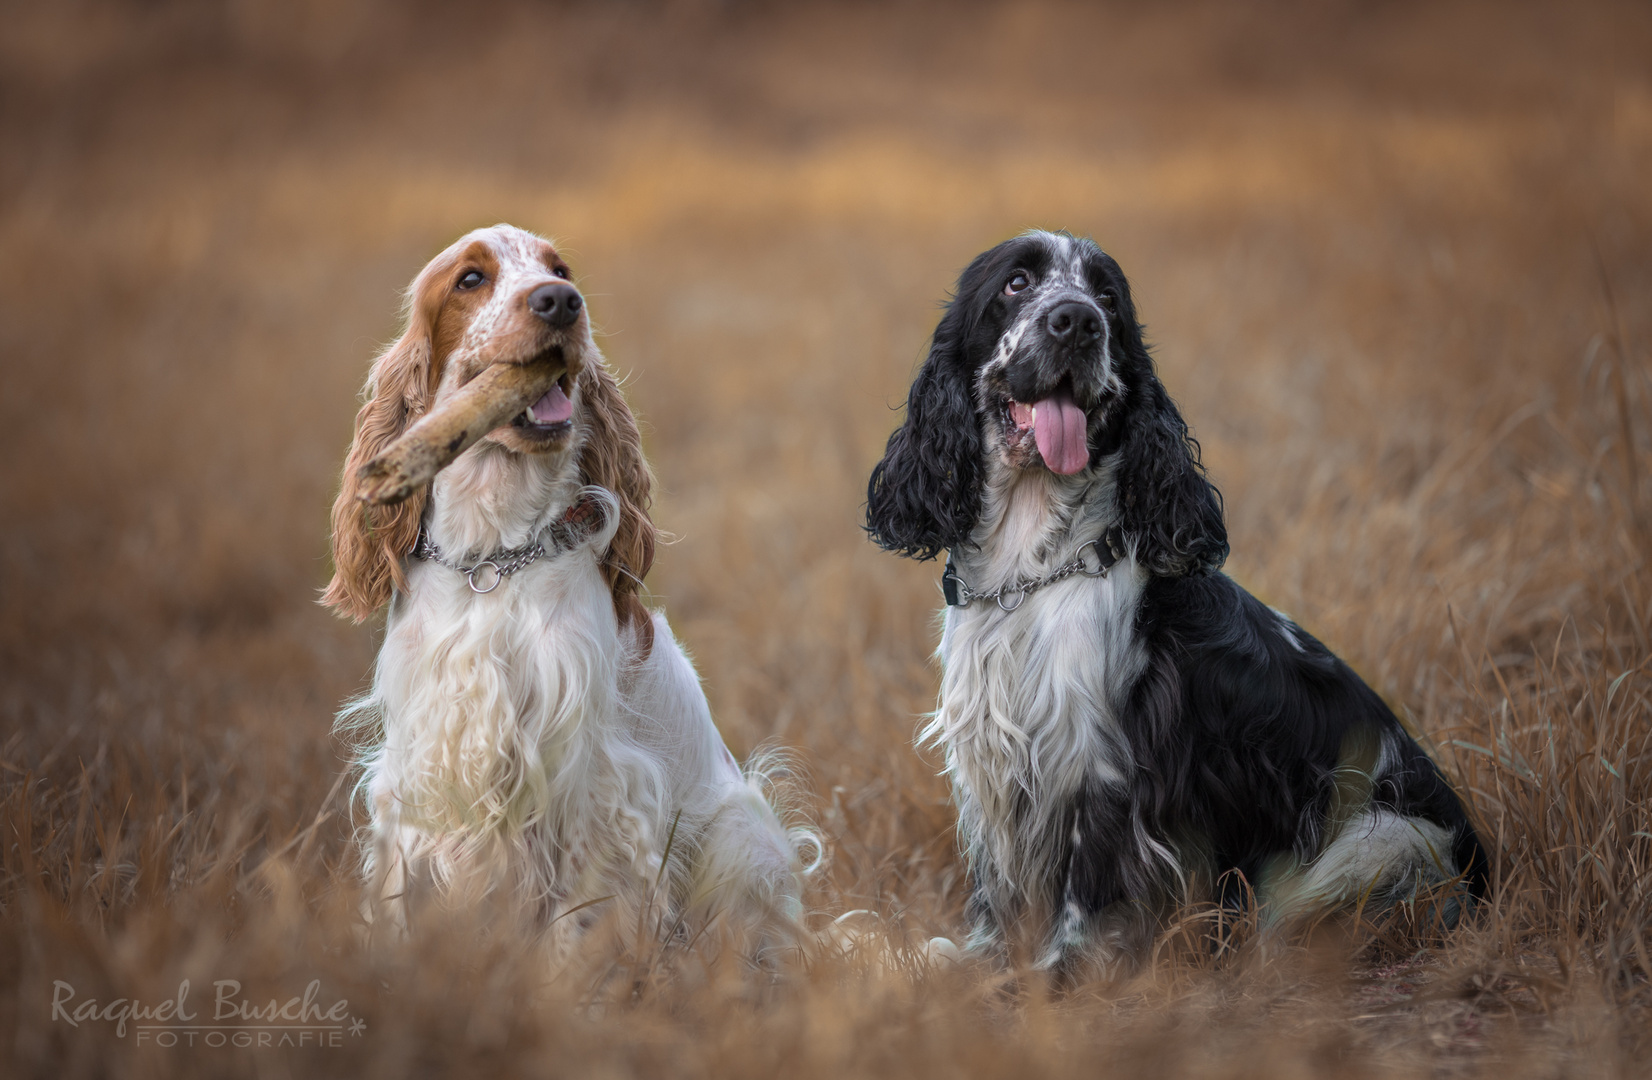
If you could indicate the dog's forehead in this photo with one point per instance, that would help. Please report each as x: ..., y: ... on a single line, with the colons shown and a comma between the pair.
x: 520, y: 251
x: 1069, y: 260
x: 514, y: 252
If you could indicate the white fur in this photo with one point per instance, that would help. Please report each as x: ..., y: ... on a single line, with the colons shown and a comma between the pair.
x: 1030, y: 697
x: 1379, y: 855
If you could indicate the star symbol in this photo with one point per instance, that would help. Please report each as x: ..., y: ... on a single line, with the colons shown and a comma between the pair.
x: 357, y: 1025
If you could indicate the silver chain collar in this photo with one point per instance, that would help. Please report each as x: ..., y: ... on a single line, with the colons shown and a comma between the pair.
x: 1104, y: 554
x: 565, y: 535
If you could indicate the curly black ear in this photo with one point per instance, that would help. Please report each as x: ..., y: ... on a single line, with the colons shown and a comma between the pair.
x: 1168, y: 509
x: 925, y: 495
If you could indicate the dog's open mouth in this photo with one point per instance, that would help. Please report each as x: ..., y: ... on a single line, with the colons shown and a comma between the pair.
x: 552, y: 414
x: 1059, y: 429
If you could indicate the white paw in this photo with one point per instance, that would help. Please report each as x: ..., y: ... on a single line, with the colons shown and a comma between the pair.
x: 943, y: 952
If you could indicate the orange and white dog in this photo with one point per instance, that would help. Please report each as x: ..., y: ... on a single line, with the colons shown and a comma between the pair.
x: 531, y: 726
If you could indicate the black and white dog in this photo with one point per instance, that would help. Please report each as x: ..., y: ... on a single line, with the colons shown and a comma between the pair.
x: 1123, y: 724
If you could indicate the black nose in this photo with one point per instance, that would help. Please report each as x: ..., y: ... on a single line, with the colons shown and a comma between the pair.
x: 1074, y: 324
x: 557, y: 303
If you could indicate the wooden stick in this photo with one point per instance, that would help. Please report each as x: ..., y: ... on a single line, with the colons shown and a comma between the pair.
x: 429, y: 446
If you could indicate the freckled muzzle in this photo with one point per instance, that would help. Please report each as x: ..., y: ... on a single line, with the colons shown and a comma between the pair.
x: 1067, y: 343
x: 1055, y: 380
x: 558, y: 305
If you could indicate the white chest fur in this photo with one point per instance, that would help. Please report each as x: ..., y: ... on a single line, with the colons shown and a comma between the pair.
x: 1030, y: 698
x: 504, y: 740
x: 484, y: 696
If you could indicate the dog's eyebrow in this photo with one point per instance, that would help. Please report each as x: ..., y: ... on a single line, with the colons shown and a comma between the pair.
x: 480, y: 254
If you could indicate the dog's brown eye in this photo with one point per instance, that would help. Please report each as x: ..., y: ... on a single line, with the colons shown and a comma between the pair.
x: 470, y: 279
x: 1018, y: 281
x: 560, y: 271
x: 1108, y: 302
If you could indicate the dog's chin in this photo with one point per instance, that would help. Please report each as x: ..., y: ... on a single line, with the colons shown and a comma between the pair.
x: 1017, y: 447
x: 524, y: 438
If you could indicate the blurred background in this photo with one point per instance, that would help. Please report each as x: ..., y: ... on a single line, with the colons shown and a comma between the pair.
x: 1395, y: 260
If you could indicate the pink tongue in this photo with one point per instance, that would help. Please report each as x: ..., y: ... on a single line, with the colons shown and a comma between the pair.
x: 1058, y: 425
x: 553, y: 408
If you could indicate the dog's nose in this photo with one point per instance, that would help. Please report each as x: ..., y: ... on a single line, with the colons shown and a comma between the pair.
x: 1074, y: 324
x: 557, y: 303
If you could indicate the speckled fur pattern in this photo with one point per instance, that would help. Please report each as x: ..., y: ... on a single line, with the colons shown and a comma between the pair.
x: 532, y: 742
x: 1124, y: 742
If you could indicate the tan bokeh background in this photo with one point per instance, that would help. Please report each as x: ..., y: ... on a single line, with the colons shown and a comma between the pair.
x: 1394, y: 261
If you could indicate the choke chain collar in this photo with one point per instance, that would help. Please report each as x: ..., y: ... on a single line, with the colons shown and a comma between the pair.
x: 1092, y: 559
x: 582, y: 519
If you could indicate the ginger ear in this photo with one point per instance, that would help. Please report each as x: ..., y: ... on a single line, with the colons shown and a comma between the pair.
x: 369, y: 543
x: 612, y: 458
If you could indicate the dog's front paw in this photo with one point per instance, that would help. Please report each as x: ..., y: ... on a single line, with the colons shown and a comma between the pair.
x: 942, y: 953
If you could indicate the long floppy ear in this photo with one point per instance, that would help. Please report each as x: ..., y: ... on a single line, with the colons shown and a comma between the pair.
x: 925, y: 495
x: 612, y: 458
x: 370, y: 544
x: 1168, y: 509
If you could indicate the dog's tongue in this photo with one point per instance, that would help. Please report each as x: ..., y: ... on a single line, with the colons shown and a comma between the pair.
x: 1058, y: 425
x: 553, y: 408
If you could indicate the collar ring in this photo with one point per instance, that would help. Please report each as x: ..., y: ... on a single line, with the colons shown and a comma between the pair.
x: 1103, y: 564
x: 495, y: 576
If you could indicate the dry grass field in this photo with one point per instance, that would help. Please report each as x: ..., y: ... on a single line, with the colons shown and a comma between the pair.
x: 1396, y: 260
